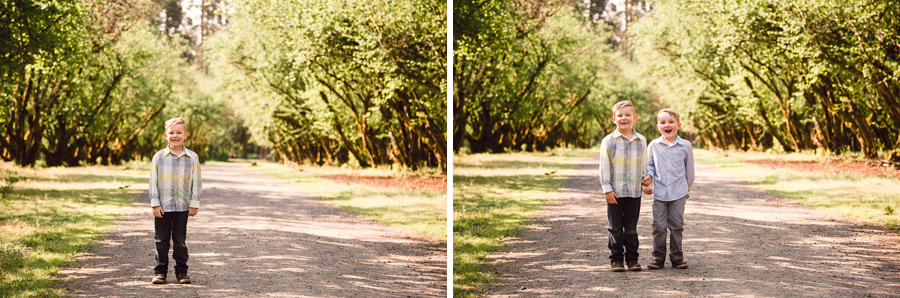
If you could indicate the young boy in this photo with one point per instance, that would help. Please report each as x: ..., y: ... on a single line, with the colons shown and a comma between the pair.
x: 671, y: 169
x: 174, y: 195
x: 623, y: 162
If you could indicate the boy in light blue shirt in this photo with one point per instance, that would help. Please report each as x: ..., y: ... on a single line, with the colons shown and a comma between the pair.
x: 670, y: 166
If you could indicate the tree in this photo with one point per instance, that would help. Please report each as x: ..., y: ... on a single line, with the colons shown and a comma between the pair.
x: 352, y: 84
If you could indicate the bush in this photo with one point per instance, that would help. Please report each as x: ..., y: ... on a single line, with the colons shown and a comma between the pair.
x: 7, y: 179
x: 11, y: 255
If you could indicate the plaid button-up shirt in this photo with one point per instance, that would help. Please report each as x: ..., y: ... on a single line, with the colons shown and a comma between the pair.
x: 175, y: 180
x: 623, y: 163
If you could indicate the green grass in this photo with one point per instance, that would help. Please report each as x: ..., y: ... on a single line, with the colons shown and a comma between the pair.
x: 54, y: 213
x: 493, y: 196
x: 417, y: 210
x: 870, y: 199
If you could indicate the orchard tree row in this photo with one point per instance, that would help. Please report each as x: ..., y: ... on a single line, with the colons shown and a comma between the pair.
x: 533, y: 75
x: 324, y: 82
x: 783, y: 75
x: 335, y: 82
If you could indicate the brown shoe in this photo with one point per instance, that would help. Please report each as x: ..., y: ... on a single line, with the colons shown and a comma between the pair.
x: 656, y: 264
x: 679, y: 264
x: 159, y: 279
x: 617, y: 266
x: 633, y: 265
x: 182, y: 278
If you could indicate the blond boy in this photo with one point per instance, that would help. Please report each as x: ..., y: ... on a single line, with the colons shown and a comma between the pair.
x: 671, y: 169
x: 174, y: 195
x: 623, y: 161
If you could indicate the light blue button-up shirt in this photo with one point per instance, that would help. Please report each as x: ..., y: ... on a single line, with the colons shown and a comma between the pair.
x: 672, y: 168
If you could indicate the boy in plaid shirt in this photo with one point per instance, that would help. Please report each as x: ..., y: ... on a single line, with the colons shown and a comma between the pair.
x: 623, y: 163
x: 174, y: 195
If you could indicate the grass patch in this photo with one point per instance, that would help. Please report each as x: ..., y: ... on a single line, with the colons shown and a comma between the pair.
x: 421, y: 211
x: 493, y: 196
x: 870, y: 199
x: 51, y: 214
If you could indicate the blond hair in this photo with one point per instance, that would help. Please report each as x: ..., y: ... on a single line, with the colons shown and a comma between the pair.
x: 176, y: 121
x: 672, y: 113
x: 621, y: 105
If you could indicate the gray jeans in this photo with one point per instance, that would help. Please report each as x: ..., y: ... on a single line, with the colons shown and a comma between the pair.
x: 668, y: 215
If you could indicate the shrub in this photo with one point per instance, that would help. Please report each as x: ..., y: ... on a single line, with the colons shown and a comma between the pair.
x: 7, y: 179
x: 11, y: 255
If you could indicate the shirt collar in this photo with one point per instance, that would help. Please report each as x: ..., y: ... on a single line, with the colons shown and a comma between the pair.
x: 184, y: 151
x: 678, y: 141
x: 634, y: 135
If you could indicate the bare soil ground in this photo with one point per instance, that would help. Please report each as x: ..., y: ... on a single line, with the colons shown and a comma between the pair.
x: 738, y: 241
x: 258, y: 236
x: 830, y: 166
x: 428, y: 183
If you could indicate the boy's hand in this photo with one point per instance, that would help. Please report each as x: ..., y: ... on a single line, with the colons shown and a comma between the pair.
x: 611, y: 198
x: 158, y: 212
x: 192, y: 211
x: 646, y: 181
x: 648, y: 190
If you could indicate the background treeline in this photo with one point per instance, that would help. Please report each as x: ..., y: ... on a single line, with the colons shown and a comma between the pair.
x: 339, y: 81
x: 324, y: 82
x: 93, y: 82
x: 749, y: 75
x: 532, y: 75
x: 784, y: 75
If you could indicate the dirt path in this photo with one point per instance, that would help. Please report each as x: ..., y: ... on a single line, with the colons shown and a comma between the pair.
x: 258, y: 236
x: 738, y: 241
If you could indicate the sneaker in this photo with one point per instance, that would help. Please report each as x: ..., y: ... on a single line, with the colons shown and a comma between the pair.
x: 159, y: 279
x: 633, y: 265
x: 617, y: 266
x: 182, y: 278
x: 656, y: 264
x: 679, y: 264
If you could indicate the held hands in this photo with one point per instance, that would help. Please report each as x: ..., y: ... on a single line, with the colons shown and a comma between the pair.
x: 648, y: 188
x: 611, y: 198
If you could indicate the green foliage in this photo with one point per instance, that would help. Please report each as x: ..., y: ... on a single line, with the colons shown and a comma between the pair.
x: 332, y: 82
x: 12, y: 255
x: 93, y: 82
x: 7, y: 179
x: 533, y: 75
x: 789, y: 76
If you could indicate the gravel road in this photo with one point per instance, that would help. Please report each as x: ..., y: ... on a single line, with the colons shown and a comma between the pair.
x: 738, y: 241
x: 259, y: 236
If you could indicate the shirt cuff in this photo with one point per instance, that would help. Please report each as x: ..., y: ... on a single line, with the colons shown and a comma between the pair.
x: 607, y: 188
x: 154, y: 203
x: 194, y: 204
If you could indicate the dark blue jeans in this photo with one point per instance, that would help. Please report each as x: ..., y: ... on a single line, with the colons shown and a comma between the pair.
x: 623, y: 238
x: 172, y: 226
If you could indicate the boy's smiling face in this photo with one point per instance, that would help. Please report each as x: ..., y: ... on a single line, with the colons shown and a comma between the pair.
x: 667, y: 125
x: 624, y: 119
x: 175, y: 135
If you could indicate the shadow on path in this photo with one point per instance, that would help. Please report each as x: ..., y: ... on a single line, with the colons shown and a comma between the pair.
x: 256, y: 235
